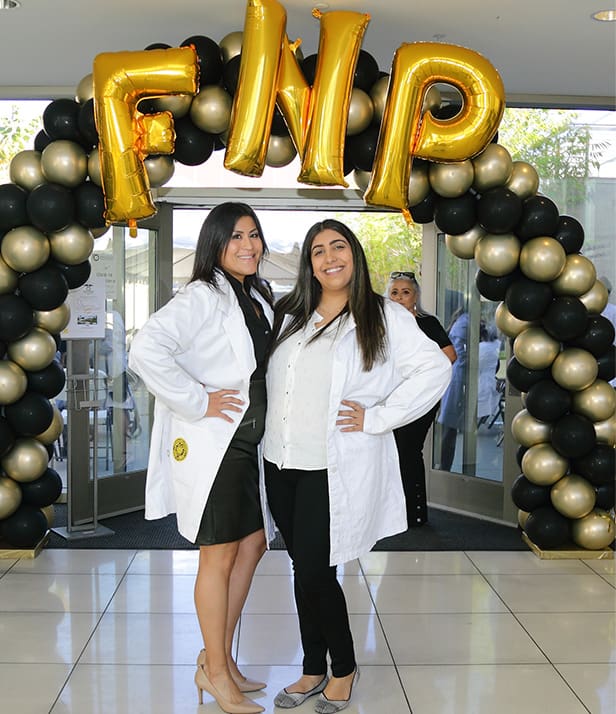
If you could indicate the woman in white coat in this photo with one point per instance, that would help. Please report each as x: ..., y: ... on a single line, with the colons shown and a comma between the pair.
x: 346, y: 369
x: 203, y: 357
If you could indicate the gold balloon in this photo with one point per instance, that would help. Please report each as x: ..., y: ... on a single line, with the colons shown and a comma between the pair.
x: 432, y: 100
x: 13, y: 382
x: 126, y: 137
x: 596, y: 298
x: 543, y: 465
x: 26, y: 461
x: 361, y: 111
x: 508, y: 323
x: 10, y: 496
x: 378, y: 94
x: 522, y: 518
x: 50, y: 513
x: 8, y: 278
x: 362, y: 178
x: 64, y: 162
x: 605, y: 431
x: 231, y: 45
x: 211, y: 109
x: 159, y: 169
x: 415, y: 69
x: 73, y: 245
x: 575, y: 369
x: 25, y: 249
x: 535, y: 349
x: 573, y: 496
x: 453, y: 179
x: 281, y: 151
x: 54, y: 430
x: 54, y: 321
x: 577, y: 277
x: 529, y: 431
x: 178, y: 104
x: 497, y: 254
x: 25, y: 169
x: 493, y: 167
x: 595, y: 531
x: 33, y: 352
x: 597, y: 402
x: 542, y: 259
x: 464, y: 244
x: 524, y: 180
x: 419, y: 183
x: 85, y: 89
x: 94, y: 168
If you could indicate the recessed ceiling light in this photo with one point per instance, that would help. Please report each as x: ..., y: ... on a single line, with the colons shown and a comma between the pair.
x: 604, y: 15
x: 9, y: 4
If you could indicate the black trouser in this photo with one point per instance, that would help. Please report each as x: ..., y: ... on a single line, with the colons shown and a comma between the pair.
x: 299, y: 502
x: 409, y: 441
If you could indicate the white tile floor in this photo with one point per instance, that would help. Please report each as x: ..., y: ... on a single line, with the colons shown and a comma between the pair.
x: 113, y: 632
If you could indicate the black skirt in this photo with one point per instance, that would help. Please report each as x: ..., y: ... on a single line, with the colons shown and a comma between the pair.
x: 233, y: 508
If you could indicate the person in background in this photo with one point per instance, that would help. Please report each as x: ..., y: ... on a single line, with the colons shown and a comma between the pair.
x: 347, y: 368
x: 404, y: 289
x: 203, y: 357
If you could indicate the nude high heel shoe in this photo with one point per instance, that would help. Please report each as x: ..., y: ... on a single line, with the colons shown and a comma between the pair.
x: 247, y: 706
x: 245, y: 685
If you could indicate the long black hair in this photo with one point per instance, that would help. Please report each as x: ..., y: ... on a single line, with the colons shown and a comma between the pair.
x: 214, y: 237
x: 366, y: 307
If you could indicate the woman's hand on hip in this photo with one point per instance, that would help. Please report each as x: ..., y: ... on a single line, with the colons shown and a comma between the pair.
x: 221, y: 401
x: 351, y: 419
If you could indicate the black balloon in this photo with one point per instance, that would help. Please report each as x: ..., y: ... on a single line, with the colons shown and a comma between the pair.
x: 499, y: 210
x: 75, y: 275
x: 231, y: 74
x: 16, y: 317
x: 86, y: 124
x: 523, y: 378
x: 528, y: 495
x: 519, y: 454
x: 447, y: 111
x: 573, y: 436
x: 366, y: 71
x: 456, y: 215
x: 51, y: 207
x: 539, y: 218
x: 309, y: 68
x: 44, y: 491
x: 7, y: 437
x: 494, y: 287
x: 2, y: 349
x: 158, y: 46
x: 607, y: 364
x: 60, y: 119
x: 90, y: 205
x: 48, y: 381
x: 45, y: 288
x: 279, y: 125
x: 13, y: 211
x: 210, y: 58
x: 598, y: 336
x: 528, y: 299
x: 423, y: 212
x: 41, y: 140
x: 565, y: 318
x: 30, y: 415
x: 192, y: 146
x: 597, y: 466
x: 25, y: 527
x: 362, y: 148
x: 548, y: 401
x: 570, y: 234
x: 547, y: 528
x: 606, y: 496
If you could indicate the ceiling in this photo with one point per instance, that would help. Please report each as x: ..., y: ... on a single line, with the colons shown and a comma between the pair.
x: 540, y: 47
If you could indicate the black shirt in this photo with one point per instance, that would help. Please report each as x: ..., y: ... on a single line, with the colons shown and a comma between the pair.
x: 433, y: 329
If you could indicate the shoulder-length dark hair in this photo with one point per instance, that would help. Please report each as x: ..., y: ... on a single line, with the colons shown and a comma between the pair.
x: 214, y: 237
x: 364, y: 304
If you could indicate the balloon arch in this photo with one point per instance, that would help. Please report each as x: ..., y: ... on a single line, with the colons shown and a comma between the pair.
x: 488, y: 206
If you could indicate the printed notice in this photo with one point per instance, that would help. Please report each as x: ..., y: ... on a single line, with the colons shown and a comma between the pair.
x: 87, y: 305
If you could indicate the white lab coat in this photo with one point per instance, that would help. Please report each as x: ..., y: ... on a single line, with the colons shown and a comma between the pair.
x: 197, y: 343
x: 366, y: 499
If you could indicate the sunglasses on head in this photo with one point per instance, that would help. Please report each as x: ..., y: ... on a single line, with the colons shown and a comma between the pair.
x: 402, y: 274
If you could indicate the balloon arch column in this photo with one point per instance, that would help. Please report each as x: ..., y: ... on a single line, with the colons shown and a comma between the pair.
x: 489, y: 207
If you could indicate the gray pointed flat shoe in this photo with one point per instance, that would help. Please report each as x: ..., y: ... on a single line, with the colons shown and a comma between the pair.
x: 331, y: 706
x: 288, y: 700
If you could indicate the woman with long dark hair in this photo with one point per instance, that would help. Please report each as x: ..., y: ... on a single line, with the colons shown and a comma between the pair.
x: 203, y: 357
x: 342, y: 375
